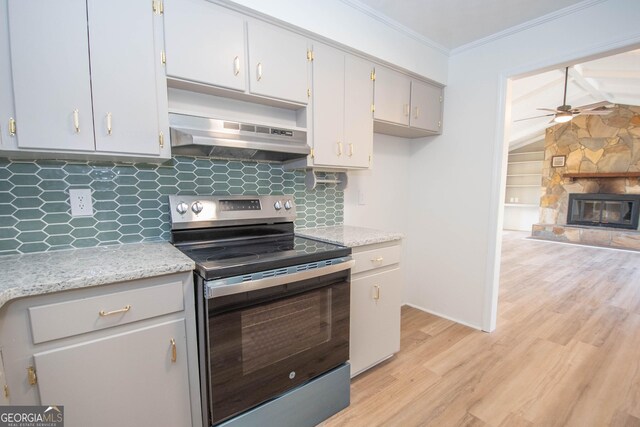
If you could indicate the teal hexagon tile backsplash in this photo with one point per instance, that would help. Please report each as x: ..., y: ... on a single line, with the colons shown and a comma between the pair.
x: 130, y: 200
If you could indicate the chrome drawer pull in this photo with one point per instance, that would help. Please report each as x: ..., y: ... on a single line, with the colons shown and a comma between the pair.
x: 378, y: 259
x: 124, y: 309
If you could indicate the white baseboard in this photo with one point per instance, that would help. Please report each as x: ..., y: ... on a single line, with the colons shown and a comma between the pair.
x: 444, y: 316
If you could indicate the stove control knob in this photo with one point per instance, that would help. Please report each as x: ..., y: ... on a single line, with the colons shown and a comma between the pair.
x: 182, y: 208
x: 288, y: 205
x: 197, y: 207
x: 277, y: 205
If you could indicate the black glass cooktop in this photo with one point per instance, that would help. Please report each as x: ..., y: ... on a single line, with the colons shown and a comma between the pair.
x: 232, y: 257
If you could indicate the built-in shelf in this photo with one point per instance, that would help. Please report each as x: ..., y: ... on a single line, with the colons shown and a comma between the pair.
x: 521, y: 205
x: 578, y: 175
x: 523, y: 188
x: 525, y: 161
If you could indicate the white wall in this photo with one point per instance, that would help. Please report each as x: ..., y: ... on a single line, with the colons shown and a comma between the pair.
x: 459, y: 175
x: 340, y: 22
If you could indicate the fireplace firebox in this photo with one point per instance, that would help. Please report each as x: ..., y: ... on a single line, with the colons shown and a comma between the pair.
x: 604, y: 210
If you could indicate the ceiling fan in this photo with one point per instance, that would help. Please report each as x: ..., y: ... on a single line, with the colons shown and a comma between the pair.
x: 565, y: 113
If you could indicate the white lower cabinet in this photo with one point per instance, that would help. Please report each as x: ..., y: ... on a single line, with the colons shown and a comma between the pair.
x: 128, y: 379
x: 376, y: 295
x: 134, y: 363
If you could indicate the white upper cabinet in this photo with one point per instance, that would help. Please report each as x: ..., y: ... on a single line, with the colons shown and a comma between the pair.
x: 358, y: 119
x: 426, y: 106
x: 50, y: 69
x: 205, y: 43
x: 405, y: 106
x: 86, y: 79
x: 392, y: 96
x: 124, y: 105
x: 328, y: 106
x: 342, y: 119
x: 278, y: 64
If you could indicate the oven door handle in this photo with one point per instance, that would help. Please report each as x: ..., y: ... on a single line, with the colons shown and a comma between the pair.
x: 219, y: 288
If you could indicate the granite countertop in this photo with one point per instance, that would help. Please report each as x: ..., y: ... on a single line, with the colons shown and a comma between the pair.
x: 347, y: 235
x: 46, y: 272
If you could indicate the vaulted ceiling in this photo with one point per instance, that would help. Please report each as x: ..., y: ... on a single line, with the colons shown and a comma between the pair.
x: 615, y: 79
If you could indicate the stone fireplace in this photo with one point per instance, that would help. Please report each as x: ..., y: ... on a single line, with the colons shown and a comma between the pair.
x: 594, y: 198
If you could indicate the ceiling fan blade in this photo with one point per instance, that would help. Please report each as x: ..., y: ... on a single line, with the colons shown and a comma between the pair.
x: 547, y: 109
x: 593, y: 106
x: 594, y: 113
x: 536, y: 117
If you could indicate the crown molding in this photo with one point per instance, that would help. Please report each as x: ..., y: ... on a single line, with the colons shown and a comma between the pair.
x: 525, y: 25
x: 380, y: 17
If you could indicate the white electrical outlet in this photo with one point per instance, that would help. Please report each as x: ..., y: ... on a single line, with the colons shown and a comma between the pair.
x: 81, y: 202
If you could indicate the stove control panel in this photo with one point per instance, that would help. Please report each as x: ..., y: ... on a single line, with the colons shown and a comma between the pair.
x: 212, y: 211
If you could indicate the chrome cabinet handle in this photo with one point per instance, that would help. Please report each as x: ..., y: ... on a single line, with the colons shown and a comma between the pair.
x: 76, y: 120
x: 339, y: 148
x: 236, y: 66
x: 376, y: 292
x: 378, y: 259
x: 259, y: 71
x: 124, y: 309
x: 350, y: 149
x: 417, y: 112
x: 109, y: 130
x: 174, y: 351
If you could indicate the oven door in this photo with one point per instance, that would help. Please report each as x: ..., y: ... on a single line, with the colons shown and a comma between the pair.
x: 270, y: 335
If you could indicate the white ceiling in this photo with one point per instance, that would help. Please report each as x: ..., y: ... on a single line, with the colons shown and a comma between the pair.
x: 454, y: 23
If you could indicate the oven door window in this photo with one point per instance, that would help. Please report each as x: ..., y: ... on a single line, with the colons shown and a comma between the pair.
x: 266, y: 342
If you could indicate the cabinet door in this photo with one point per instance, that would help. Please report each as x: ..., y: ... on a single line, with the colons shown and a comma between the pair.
x: 123, y: 77
x: 426, y: 106
x: 392, y: 91
x: 204, y: 43
x: 375, y: 319
x: 358, y: 119
x: 328, y: 106
x: 4, y: 397
x: 50, y: 70
x: 127, y: 379
x: 278, y: 63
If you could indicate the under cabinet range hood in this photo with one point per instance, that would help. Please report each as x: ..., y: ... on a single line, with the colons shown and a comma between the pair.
x: 202, y: 136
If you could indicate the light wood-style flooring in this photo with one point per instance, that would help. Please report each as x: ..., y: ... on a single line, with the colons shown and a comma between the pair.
x: 566, y: 351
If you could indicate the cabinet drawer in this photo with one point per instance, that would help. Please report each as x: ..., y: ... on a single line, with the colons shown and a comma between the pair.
x: 375, y: 258
x: 65, y: 319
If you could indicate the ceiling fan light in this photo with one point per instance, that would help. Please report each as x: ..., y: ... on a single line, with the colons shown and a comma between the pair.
x: 563, y: 117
